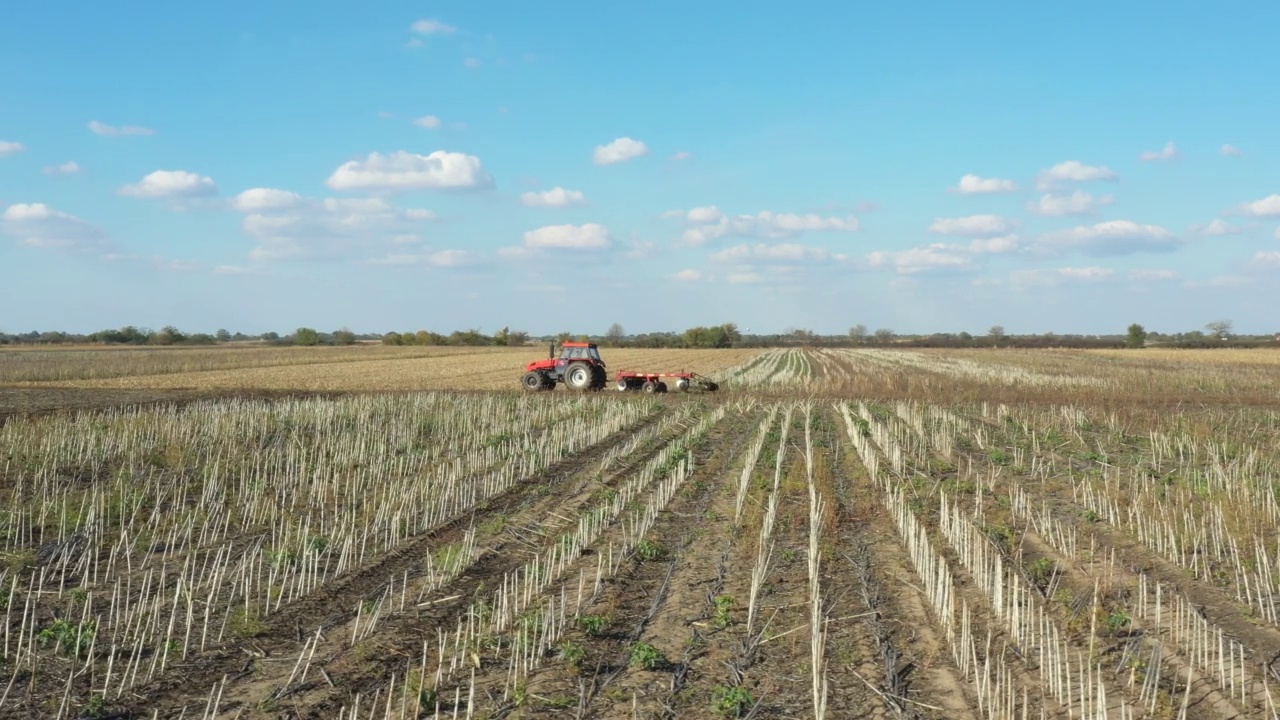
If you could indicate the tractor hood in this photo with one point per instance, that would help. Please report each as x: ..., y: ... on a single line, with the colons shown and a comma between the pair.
x: 545, y: 364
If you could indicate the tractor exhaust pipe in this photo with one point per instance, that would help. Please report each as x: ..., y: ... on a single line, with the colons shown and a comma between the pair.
x: 551, y: 351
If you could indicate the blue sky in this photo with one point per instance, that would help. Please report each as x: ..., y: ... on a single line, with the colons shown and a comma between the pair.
x: 919, y: 166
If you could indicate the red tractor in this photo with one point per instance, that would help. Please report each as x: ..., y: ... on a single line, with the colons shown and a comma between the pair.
x: 579, y: 367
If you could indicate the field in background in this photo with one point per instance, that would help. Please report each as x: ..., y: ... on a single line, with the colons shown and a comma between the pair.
x: 844, y: 533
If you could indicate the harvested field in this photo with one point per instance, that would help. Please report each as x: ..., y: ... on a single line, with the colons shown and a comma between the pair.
x: 369, y: 369
x: 22, y: 365
x: 849, y: 533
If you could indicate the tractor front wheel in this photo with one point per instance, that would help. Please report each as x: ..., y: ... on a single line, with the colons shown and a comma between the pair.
x: 535, y: 380
x: 578, y: 376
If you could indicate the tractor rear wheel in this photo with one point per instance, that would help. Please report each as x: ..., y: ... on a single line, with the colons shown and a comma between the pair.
x: 598, y: 378
x: 534, y: 380
x: 578, y: 376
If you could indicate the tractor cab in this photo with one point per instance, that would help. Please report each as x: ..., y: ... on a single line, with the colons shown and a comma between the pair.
x: 579, y: 351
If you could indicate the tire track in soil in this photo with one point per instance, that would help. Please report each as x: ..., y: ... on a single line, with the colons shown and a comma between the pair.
x: 658, y: 600
x: 333, y: 605
x: 924, y: 660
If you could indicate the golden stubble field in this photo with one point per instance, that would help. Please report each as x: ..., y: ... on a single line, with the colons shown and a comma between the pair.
x: 357, y: 369
x: 848, y: 533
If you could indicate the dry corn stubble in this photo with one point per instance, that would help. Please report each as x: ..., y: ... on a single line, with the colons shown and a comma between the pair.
x: 460, y: 369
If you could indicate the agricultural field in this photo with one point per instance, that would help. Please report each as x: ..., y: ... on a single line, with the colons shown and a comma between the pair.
x: 841, y: 533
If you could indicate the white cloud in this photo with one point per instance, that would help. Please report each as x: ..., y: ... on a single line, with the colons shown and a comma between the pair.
x: 1072, y: 171
x: 703, y: 215
x: 1216, y: 228
x: 66, y: 168
x: 8, y: 147
x: 591, y: 236
x: 38, y: 225
x: 620, y: 150
x: 783, y: 254
x: 171, y: 184
x: 1168, y: 152
x: 974, y: 185
x: 994, y: 246
x: 745, y: 278
x: 1114, y: 237
x: 259, y: 199
x: 921, y: 259
x: 682, y: 155
x: 1229, y: 149
x: 289, y: 226
x: 1265, y: 260
x: 431, y: 26
x: 941, y: 256
x: 1061, y: 276
x: 972, y: 226
x: 98, y: 128
x: 1160, y: 275
x: 1266, y: 207
x: 431, y: 122
x: 764, y: 224
x: 1077, y: 203
x: 555, y: 197
x: 687, y: 276
x: 402, y: 170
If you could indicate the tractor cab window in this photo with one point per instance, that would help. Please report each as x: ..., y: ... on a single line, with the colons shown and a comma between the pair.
x: 573, y: 353
x: 594, y: 354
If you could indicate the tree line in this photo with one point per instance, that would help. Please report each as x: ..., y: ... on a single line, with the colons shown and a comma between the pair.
x: 1218, y: 333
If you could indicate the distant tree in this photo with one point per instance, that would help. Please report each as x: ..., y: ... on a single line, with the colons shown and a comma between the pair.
x: 563, y: 338
x: 1137, y: 337
x: 222, y: 336
x: 1220, y: 329
x: 858, y: 333
x: 884, y: 335
x: 502, y: 336
x: 997, y: 332
x: 306, y: 336
x: 966, y: 337
x: 200, y: 339
x: 517, y: 338
x: 270, y: 336
x: 169, y: 335
x: 344, y: 336
x: 614, y: 334
x: 393, y: 338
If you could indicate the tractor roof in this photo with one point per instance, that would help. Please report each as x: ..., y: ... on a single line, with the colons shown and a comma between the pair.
x: 577, y: 344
